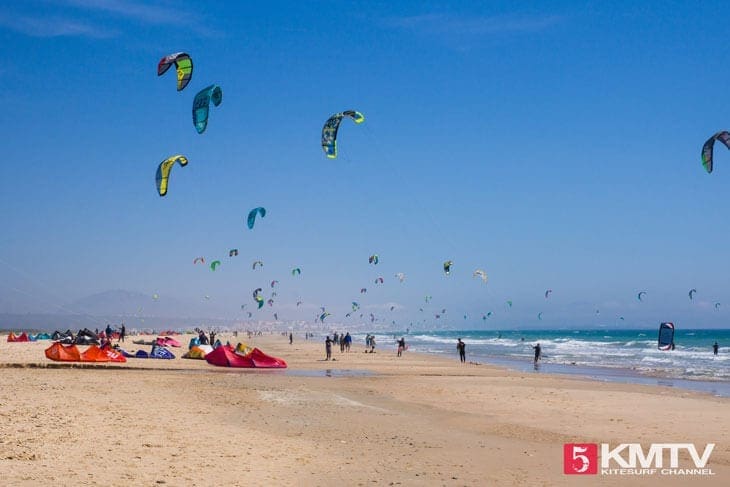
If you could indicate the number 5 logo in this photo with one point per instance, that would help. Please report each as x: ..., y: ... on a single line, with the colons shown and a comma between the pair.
x: 580, y: 458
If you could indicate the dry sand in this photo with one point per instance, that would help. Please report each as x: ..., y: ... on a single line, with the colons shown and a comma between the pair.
x: 417, y: 420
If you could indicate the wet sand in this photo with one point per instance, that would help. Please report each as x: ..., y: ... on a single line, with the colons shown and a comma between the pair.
x: 373, y: 419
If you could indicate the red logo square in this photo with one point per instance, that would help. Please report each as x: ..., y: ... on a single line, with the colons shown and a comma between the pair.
x: 580, y: 458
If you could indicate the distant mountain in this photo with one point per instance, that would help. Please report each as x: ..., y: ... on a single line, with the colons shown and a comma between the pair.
x: 122, y: 303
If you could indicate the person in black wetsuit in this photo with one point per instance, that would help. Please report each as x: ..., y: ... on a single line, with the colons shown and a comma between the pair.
x: 538, y: 352
x: 715, y: 347
x: 328, y: 347
x: 461, y: 347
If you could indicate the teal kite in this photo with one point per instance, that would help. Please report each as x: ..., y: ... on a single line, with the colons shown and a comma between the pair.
x: 201, y: 106
x: 447, y: 266
x: 331, y: 126
x: 258, y: 298
x: 296, y: 271
x: 252, y: 216
x: 183, y: 64
x: 257, y: 263
x: 374, y: 259
x: 214, y: 265
x: 163, y: 172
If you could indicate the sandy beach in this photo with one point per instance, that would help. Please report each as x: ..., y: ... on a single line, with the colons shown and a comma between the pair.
x: 363, y: 419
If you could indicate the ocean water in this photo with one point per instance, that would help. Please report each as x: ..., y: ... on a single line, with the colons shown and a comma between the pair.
x: 613, y: 355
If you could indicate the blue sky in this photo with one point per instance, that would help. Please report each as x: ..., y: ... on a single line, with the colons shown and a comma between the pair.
x: 555, y: 145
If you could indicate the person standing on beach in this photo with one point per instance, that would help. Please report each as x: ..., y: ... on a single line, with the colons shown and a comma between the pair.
x: 538, y: 352
x: 715, y: 347
x: 401, y: 346
x: 328, y: 347
x: 123, y: 333
x: 461, y: 347
x: 291, y: 338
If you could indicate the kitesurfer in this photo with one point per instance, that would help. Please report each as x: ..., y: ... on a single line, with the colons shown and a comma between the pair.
x: 461, y: 347
x: 715, y: 347
x: 538, y: 352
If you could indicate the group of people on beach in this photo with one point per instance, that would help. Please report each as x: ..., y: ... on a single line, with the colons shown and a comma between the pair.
x: 343, y: 340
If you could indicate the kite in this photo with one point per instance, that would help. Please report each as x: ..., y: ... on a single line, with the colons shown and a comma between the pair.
x: 274, y: 283
x: 509, y: 303
x: 355, y: 306
x: 183, y: 64
x: 539, y: 316
x: 331, y: 126
x: 258, y: 298
x: 427, y: 298
x: 163, y: 172
x: 707, y: 149
x: 480, y: 273
x: 257, y: 263
x: 363, y: 290
x: 276, y: 316
x: 157, y: 296
x: 270, y: 302
x: 232, y: 252
x: 201, y: 105
x: 547, y: 293
x: 717, y: 305
x: 401, y: 277
x: 374, y: 259
x: 638, y: 296
x: 392, y: 308
x: 296, y: 271
x: 250, y: 314
x: 447, y: 266
x: 489, y: 314
x: 372, y: 317
x: 252, y: 216
x: 379, y: 280
x: 214, y: 265
x: 298, y: 303
x: 274, y: 294
x: 666, y: 336
x: 199, y: 259
x: 692, y: 293
x: 324, y: 315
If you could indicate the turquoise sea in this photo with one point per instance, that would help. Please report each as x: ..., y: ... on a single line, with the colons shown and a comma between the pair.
x: 612, y: 355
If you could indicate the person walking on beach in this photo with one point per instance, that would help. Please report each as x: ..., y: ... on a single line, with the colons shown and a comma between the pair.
x: 291, y: 338
x: 123, y: 333
x: 401, y: 346
x: 538, y: 352
x: 461, y: 347
x: 328, y: 347
x: 715, y: 347
x: 348, y: 341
